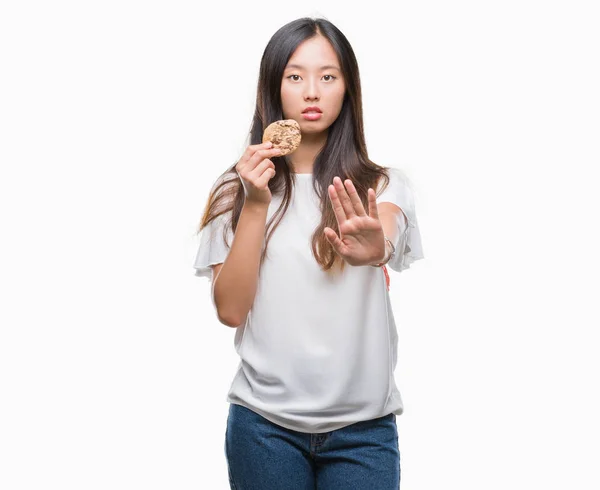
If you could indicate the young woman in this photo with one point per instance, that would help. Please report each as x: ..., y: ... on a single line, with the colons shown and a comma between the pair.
x: 297, y: 247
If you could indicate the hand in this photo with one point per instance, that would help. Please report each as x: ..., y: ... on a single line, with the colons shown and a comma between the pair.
x: 361, y: 240
x: 255, y: 171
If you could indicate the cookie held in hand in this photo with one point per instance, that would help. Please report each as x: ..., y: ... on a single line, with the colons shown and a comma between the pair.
x: 284, y: 134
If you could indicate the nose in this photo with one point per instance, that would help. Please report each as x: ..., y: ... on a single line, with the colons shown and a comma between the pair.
x: 311, y: 91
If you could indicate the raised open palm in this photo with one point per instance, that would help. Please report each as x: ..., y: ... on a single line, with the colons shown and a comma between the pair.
x: 361, y: 240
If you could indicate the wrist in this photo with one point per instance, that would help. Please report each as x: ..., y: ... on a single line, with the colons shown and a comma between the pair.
x: 255, y: 208
x: 389, y: 253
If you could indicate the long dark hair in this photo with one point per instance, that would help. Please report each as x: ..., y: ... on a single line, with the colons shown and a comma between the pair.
x: 344, y: 153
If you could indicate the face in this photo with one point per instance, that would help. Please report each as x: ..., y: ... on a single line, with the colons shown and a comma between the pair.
x: 312, y: 83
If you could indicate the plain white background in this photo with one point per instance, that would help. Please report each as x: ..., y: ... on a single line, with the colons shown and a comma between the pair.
x: 117, y: 117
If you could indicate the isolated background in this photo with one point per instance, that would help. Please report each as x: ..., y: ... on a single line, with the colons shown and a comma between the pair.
x: 116, y: 117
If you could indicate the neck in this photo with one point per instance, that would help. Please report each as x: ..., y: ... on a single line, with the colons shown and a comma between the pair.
x: 303, y: 159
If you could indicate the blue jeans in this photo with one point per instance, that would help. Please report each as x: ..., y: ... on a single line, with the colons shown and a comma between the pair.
x: 262, y: 455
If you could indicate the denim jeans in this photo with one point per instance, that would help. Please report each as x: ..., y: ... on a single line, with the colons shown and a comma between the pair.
x: 262, y: 455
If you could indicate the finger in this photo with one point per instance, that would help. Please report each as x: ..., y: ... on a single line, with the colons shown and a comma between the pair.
x: 259, y: 156
x: 252, y: 149
x: 261, y: 146
x: 357, y: 204
x: 267, y: 175
x: 343, y: 197
x: 373, y: 211
x: 333, y: 239
x: 260, y: 169
x: 338, y: 209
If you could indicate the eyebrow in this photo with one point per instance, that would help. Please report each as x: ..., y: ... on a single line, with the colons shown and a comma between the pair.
x: 325, y: 67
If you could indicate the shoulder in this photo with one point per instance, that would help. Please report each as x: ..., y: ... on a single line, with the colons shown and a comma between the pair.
x: 397, y: 180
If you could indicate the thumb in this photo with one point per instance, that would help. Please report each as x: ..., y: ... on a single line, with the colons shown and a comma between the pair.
x: 332, y: 238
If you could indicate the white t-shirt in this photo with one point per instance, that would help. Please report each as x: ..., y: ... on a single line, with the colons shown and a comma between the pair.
x: 317, y: 353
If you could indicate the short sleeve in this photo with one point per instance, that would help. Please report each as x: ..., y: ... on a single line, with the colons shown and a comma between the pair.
x: 213, y: 248
x: 408, y: 243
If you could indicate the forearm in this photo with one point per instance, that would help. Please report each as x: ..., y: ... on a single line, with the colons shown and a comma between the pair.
x: 237, y: 282
x: 390, y: 230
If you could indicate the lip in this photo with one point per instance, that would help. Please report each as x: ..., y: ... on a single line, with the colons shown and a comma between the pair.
x: 312, y: 116
x: 313, y: 108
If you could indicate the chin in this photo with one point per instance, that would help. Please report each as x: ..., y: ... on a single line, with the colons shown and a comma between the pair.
x: 312, y: 130
x: 314, y: 125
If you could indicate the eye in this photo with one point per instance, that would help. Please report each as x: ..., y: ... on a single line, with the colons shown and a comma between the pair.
x: 331, y: 77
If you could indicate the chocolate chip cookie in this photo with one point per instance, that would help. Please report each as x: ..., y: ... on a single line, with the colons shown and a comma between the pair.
x: 284, y: 134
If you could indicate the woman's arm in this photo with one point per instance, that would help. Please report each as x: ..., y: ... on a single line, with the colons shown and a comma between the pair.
x: 388, y: 215
x: 235, y: 285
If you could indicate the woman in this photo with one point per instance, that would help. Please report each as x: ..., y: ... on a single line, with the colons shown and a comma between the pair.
x: 297, y: 246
